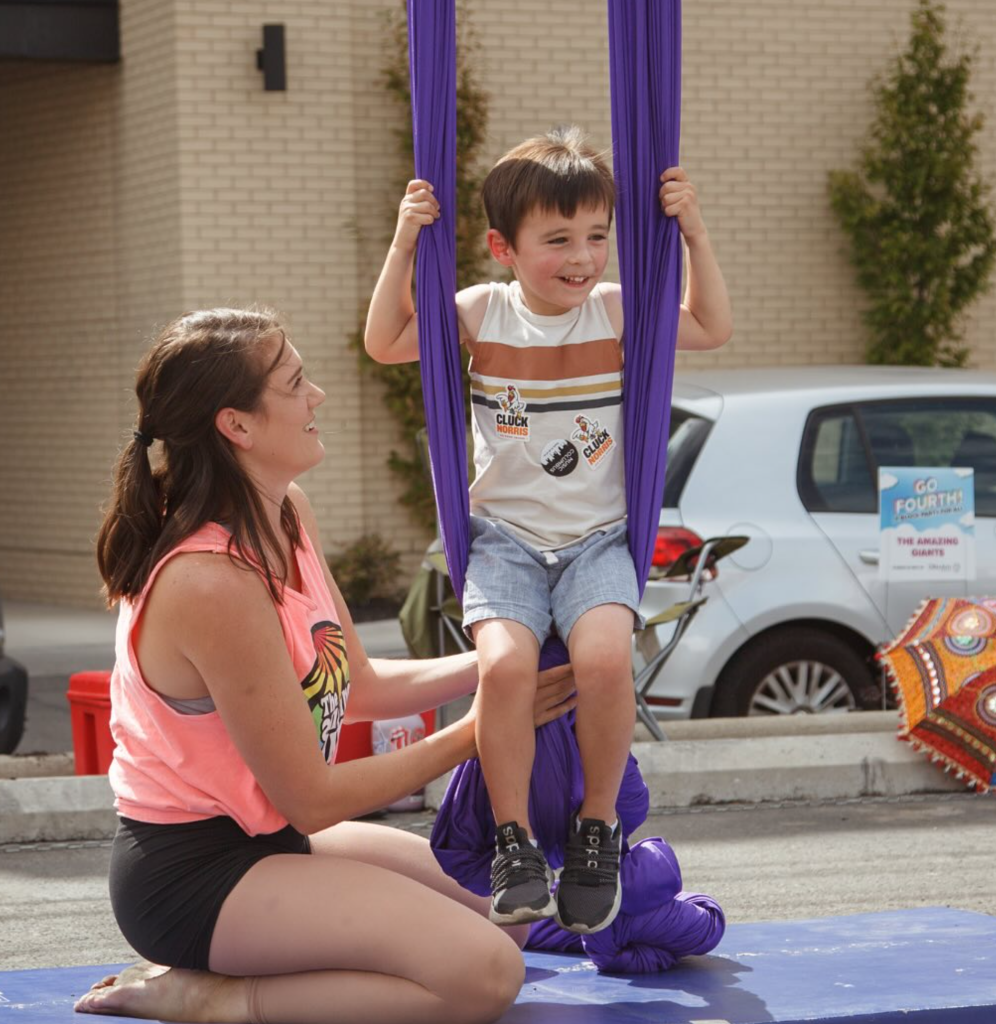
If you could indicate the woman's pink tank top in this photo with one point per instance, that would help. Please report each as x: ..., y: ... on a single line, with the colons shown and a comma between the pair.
x: 170, y: 767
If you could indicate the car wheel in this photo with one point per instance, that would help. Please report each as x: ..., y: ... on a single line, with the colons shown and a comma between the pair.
x: 797, y: 671
x: 13, y: 704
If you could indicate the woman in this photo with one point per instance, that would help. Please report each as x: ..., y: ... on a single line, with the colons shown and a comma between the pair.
x: 227, y: 613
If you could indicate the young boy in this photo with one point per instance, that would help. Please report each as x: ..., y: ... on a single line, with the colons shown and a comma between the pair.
x: 548, y: 506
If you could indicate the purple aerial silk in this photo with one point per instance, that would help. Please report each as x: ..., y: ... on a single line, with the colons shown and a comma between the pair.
x: 658, y: 923
x: 645, y: 75
x: 432, y: 59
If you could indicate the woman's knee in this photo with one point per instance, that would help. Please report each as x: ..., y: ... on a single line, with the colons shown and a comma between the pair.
x: 495, y: 983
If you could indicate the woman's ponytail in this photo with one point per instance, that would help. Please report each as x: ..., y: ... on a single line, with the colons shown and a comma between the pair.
x: 133, y: 521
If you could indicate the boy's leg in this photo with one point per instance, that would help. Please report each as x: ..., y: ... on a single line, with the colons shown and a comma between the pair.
x: 595, y: 601
x: 506, y: 605
x: 508, y: 656
x: 600, y: 649
x: 508, y: 660
x: 590, y: 893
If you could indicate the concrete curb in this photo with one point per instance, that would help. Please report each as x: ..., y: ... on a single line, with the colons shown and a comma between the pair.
x: 813, y: 765
x: 703, y: 762
x: 58, y: 809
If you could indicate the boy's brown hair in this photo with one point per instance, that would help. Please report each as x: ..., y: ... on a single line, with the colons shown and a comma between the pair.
x: 556, y: 171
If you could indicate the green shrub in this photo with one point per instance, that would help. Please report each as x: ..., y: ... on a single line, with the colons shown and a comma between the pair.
x: 916, y: 213
x: 367, y: 571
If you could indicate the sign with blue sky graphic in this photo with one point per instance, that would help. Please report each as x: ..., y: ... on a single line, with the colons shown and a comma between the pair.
x: 927, y: 520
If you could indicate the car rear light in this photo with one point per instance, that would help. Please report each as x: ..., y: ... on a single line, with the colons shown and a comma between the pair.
x: 672, y: 542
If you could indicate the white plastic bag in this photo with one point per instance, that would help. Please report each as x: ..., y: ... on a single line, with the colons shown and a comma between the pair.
x: 393, y: 734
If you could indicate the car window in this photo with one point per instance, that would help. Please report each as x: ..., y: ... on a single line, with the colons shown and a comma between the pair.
x: 834, y: 474
x: 938, y: 432
x: 686, y: 436
x: 843, y: 447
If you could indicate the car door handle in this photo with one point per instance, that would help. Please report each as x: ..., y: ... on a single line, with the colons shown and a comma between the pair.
x: 869, y: 557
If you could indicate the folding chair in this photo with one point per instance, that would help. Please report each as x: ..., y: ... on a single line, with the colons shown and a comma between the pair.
x: 446, y: 608
x: 694, y: 563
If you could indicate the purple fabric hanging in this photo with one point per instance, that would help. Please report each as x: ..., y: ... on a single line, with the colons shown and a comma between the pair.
x: 432, y: 59
x: 658, y: 923
x: 645, y: 76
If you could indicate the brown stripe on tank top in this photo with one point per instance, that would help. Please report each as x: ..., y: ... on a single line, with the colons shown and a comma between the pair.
x: 554, y: 362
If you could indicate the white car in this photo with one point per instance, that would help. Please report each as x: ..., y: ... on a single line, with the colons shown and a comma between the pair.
x: 789, y: 458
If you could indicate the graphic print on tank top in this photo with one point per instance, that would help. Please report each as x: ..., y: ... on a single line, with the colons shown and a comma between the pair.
x: 511, y: 419
x: 327, y: 684
x: 597, y: 441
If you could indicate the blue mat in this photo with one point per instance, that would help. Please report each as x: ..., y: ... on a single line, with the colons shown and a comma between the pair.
x: 932, y: 966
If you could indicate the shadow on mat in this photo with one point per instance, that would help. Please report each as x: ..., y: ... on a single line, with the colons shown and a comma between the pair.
x: 704, y: 987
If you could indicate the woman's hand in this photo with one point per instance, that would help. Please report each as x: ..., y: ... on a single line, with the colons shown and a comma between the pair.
x: 555, y: 694
x: 418, y: 209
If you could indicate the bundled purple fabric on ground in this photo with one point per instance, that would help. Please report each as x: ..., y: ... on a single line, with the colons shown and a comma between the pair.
x: 658, y: 923
x: 689, y: 925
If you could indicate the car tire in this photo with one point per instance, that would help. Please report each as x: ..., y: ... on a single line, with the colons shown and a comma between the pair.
x: 13, y: 704
x: 795, y: 671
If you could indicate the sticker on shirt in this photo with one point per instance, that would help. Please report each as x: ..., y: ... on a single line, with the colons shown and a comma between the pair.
x: 559, y: 458
x: 596, y: 441
x: 511, y: 419
x: 327, y: 684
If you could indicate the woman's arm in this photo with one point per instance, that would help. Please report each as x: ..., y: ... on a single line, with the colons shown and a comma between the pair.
x: 227, y: 628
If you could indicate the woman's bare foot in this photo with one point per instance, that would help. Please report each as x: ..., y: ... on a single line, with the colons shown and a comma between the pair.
x: 161, y: 993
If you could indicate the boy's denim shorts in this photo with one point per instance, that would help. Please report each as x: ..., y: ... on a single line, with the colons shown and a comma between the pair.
x: 508, y: 579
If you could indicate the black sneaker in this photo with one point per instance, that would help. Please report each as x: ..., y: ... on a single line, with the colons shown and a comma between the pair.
x: 520, y: 879
x: 589, y: 894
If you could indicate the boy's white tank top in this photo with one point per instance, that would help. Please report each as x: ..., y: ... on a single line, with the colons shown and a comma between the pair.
x: 546, y: 395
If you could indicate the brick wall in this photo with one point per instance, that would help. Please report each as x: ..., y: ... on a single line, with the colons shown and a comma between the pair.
x: 173, y: 180
x: 58, y: 291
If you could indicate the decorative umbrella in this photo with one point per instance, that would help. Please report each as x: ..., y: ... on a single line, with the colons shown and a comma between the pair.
x: 943, y: 669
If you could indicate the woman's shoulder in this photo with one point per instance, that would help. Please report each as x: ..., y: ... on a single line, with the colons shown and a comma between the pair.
x: 200, y: 580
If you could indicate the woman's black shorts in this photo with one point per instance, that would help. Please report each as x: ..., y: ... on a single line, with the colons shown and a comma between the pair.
x: 168, y: 882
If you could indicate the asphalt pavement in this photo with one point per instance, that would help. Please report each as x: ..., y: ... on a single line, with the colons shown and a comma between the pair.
x: 761, y: 861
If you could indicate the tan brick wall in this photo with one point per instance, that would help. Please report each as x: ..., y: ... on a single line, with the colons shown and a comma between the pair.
x: 85, y: 266
x: 58, y: 293
x: 173, y: 180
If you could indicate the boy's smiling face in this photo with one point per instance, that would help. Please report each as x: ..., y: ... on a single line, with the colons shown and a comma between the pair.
x: 557, y: 260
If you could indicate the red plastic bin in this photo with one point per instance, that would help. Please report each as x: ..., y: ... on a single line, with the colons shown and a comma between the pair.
x: 89, y: 698
x: 354, y: 739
